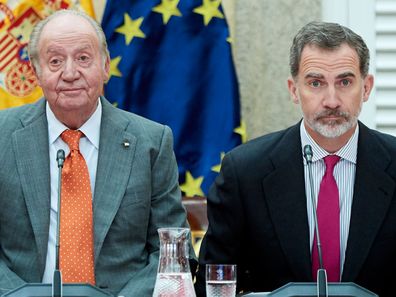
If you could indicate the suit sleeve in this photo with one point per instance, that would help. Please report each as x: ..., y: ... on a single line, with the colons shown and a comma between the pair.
x: 222, y: 241
x: 166, y: 211
x: 14, y: 222
x: 8, y: 279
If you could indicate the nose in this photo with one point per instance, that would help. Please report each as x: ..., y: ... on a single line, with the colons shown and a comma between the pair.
x: 70, y: 71
x: 331, y: 98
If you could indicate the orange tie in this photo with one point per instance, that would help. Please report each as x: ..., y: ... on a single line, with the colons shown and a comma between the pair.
x: 76, y: 230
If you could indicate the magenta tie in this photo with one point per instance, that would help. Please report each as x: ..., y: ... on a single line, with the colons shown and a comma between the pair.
x: 328, y: 212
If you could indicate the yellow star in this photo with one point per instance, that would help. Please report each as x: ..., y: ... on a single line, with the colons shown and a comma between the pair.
x: 217, y: 168
x: 114, y: 71
x: 168, y: 8
x: 192, y: 186
x: 209, y: 9
x: 241, y: 130
x: 131, y: 28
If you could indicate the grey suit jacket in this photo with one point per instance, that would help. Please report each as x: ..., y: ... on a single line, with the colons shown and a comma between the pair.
x: 136, y: 192
x: 258, y: 215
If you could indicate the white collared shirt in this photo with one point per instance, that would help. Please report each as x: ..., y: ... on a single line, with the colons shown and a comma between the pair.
x: 89, y: 148
x: 344, y: 174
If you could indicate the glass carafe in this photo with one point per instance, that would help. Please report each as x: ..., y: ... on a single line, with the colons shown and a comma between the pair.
x: 174, y: 276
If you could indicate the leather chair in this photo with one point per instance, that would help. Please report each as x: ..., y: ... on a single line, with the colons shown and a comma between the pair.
x: 197, y: 218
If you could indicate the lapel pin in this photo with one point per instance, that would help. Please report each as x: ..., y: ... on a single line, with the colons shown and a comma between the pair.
x: 126, y: 143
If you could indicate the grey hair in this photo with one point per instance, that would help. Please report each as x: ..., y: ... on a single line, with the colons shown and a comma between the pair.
x: 327, y: 36
x: 33, y: 49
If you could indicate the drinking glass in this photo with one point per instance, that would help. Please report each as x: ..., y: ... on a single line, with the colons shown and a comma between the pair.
x: 220, y: 280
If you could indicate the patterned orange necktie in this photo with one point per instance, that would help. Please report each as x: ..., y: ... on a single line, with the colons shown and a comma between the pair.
x: 76, y: 219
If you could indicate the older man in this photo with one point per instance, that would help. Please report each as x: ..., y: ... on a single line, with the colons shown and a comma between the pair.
x: 259, y: 209
x: 119, y: 182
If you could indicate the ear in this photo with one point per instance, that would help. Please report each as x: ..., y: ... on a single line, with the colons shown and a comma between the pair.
x: 368, y: 86
x: 291, y: 85
x: 107, y: 69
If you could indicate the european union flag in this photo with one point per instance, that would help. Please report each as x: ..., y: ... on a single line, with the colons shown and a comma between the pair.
x: 171, y: 62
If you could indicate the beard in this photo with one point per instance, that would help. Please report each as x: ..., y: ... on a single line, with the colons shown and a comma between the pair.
x: 333, y: 128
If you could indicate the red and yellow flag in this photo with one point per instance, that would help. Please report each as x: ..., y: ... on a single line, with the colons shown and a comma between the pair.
x: 18, y: 85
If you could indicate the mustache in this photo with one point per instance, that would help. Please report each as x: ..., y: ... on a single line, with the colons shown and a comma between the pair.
x: 332, y: 112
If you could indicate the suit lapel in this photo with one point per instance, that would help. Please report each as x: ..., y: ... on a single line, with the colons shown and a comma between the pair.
x: 373, y: 192
x: 31, y: 149
x: 285, y: 194
x: 116, y: 154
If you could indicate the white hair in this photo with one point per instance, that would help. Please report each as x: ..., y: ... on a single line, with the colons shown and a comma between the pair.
x: 33, y: 49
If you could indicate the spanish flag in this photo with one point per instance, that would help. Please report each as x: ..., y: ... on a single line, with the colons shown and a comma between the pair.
x: 18, y: 84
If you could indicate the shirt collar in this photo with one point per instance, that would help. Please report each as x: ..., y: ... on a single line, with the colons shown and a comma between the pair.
x: 91, y: 128
x: 347, y: 152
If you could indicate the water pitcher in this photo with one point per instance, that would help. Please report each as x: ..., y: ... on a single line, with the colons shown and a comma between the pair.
x: 174, y: 275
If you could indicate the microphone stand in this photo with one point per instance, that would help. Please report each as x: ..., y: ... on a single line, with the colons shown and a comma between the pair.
x: 322, y: 287
x: 57, y: 279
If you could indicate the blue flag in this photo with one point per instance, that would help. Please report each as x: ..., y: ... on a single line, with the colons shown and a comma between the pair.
x: 171, y: 62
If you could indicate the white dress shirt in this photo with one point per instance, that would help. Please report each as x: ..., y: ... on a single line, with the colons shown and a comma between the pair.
x: 344, y: 174
x: 89, y: 148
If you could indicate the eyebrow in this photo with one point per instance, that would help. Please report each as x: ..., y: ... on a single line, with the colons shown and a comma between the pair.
x: 346, y: 74
x: 314, y: 75
x: 55, y: 49
x: 321, y: 76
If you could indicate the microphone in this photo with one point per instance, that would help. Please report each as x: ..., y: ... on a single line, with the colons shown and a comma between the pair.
x: 57, y: 279
x: 321, y: 275
x: 60, y: 158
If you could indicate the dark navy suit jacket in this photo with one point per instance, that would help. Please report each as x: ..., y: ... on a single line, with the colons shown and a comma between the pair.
x: 258, y: 216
